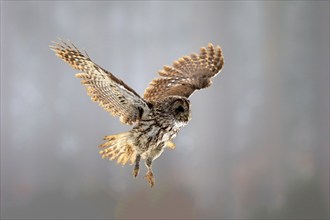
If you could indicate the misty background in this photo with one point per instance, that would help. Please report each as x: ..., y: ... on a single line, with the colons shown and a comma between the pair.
x: 258, y: 142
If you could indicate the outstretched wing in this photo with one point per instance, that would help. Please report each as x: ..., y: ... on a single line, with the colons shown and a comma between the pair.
x: 110, y: 92
x: 186, y: 75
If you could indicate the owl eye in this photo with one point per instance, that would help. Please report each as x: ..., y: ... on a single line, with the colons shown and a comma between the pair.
x: 179, y: 109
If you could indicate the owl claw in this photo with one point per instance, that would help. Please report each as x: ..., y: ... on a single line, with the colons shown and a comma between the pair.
x: 151, y: 179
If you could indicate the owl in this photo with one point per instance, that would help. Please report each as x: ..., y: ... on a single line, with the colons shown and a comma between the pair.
x: 156, y: 117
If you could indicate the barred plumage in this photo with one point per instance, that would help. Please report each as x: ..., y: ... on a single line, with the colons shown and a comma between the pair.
x: 158, y: 116
x: 186, y: 75
x: 110, y: 92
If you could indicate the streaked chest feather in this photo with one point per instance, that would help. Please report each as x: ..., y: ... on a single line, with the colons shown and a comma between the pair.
x: 151, y: 134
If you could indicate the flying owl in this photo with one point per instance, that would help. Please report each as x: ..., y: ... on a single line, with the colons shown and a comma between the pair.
x: 158, y: 116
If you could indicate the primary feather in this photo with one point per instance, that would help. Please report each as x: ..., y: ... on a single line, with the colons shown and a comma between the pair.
x: 110, y: 92
x: 186, y: 75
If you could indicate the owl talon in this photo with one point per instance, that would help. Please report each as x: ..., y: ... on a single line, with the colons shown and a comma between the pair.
x: 150, y: 178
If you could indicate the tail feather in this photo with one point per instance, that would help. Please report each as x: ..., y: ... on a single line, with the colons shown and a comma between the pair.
x: 118, y: 147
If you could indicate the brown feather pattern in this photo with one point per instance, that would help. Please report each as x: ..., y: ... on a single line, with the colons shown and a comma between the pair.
x: 164, y: 110
x: 110, y: 92
x: 186, y: 75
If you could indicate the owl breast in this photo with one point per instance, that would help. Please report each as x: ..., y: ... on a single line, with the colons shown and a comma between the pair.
x: 152, y: 134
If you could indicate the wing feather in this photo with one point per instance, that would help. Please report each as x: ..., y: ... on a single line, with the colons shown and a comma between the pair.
x: 186, y: 75
x: 110, y: 92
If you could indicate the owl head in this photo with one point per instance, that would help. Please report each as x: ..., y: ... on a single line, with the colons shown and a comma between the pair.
x: 176, y: 107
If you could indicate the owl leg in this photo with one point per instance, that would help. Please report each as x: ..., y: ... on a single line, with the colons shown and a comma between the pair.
x: 150, y: 176
x: 137, y: 165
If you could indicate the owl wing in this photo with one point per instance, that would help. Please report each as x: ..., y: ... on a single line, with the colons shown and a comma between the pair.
x: 110, y: 92
x: 186, y: 75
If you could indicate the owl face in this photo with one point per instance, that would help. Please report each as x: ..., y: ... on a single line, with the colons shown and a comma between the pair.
x: 180, y: 108
x: 175, y: 108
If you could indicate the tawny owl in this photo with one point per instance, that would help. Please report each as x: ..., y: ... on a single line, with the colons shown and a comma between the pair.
x: 158, y: 116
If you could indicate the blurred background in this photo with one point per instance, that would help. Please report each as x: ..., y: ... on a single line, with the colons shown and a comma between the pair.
x: 258, y: 143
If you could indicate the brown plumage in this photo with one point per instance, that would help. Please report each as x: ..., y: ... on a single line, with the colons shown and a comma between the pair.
x: 186, y: 75
x: 158, y: 116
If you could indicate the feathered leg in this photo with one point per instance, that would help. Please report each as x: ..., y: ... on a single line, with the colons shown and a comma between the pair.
x: 137, y: 165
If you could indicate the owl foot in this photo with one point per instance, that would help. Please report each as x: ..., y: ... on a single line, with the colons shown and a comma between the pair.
x: 150, y: 177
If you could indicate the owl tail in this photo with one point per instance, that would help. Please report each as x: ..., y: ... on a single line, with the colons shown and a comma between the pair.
x: 118, y: 147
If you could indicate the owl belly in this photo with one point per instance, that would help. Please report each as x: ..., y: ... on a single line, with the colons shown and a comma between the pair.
x: 151, y: 138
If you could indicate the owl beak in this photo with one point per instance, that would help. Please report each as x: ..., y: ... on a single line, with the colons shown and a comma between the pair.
x: 187, y: 117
